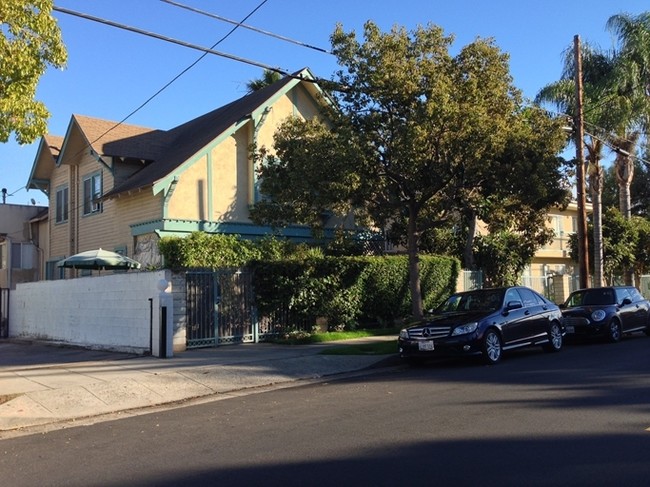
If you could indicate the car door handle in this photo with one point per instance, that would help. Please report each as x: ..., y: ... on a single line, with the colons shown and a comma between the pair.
x: 527, y: 312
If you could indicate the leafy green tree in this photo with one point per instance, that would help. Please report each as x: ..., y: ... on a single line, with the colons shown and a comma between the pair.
x: 621, y: 238
x: 642, y: 254
x: 30, y: 41
x: 416, y: 132
x: 268, y: 78
x: 503, y: 256
x: 639, y: 189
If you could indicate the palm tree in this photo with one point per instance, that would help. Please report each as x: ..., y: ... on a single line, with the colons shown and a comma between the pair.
x: 597, y: 67
x: 268, y: 78
x: 631, y: 105
x: 632, y: 101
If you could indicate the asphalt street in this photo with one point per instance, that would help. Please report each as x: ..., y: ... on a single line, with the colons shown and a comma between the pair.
x: 580, y: 417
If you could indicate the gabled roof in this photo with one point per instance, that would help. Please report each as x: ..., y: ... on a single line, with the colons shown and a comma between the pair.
x: 163, y: 152
x: 54, y: 143
x: 120, y: 139
x: 184, y: 141
x: 45, y: 161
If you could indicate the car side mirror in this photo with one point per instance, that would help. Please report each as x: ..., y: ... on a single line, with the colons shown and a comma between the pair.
x: 627, y: 301
x: 513, y: 305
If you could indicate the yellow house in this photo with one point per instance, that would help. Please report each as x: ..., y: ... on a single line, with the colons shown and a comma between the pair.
x: 552, y: 271
x: 122, y: 187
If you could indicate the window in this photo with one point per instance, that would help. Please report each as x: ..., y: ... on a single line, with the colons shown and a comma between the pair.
x: 53, y: 272
x: 512, y: 295
x: 529, y: 298
x: 62, y: 195
x: 635, y: 294
x: 92, y: 193
x: 22, y: 255
x: 621, y: 294
x: 556, y: 222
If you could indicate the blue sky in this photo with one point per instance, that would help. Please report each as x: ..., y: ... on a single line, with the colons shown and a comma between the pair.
x: 111, y: 72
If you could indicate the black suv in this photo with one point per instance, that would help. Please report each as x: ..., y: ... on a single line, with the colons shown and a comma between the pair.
x: 484, y: 322
x: 606, y: 311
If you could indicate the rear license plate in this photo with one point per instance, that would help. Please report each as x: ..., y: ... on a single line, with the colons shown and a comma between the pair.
x: 570, y: 329
x: 425, y: 345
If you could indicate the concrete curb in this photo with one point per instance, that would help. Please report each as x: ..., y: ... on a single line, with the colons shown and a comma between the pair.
x: 53, y: 395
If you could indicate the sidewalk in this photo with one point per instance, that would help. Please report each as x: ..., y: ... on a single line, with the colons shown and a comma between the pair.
x: 43, y: 385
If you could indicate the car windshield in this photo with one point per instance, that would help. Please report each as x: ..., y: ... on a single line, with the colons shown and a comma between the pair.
x: 479, y: 300
x: 591, y: 297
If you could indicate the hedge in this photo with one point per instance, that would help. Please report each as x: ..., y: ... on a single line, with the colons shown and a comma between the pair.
x: 349, y: 291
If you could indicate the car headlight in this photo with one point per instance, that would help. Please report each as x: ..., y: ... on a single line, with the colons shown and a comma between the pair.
x: 404, y: 334
x: 465, y: 329
x: 598, y: 315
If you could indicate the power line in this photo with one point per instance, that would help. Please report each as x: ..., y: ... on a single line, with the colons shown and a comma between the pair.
x: 171, y: 39
x: 245, y: 26
x: 616, y: 149
x: 605, y: 139
x: 206, y: 51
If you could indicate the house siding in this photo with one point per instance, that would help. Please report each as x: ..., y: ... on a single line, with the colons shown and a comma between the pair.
x: 190, y: 198
x: 230, y: 178
x: 60, y: 232
x: 218, y: 186
x: 211, y: 189
x: 141, y: 207
x: 97, y: 229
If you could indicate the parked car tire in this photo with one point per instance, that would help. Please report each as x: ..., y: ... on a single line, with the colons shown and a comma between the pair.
x: 614, y: 331
x: 492, y: 347
x: 555, y: 338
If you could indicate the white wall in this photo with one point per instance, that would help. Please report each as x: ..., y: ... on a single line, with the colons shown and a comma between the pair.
x: 105, y: 312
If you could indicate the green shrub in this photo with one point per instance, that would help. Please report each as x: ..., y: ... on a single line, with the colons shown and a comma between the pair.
x: 200, y: 249
x: 300, y: 283
x: 348, y: 291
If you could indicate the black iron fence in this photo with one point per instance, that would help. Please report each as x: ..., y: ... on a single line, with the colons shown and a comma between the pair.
x: 4, y: 313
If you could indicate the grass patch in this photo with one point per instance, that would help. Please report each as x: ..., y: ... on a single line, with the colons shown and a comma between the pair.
x: 302, y: 337
x: 384, y: 347
x: 332, y: 336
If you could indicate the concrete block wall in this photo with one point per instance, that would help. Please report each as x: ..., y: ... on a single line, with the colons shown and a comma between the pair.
x: 179, y: 295
x: 104, y: 312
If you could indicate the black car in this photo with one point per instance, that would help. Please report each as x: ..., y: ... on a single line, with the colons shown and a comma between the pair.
x: 607, y: 312
x: 485, y: 322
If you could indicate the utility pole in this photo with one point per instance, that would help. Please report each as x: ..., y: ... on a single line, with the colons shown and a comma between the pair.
x: 579, y: 130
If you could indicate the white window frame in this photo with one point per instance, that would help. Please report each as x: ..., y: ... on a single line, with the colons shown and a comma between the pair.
x: 62, y: 204
x: 92, y: 191
x: 22, y: 255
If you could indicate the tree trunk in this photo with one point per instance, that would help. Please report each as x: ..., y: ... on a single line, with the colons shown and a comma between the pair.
x: 596, y: 177
x: 624, y: 200
x: 624, y: 169
x: 596, y: 185
x: 414, y: 264
x: 468, y: 254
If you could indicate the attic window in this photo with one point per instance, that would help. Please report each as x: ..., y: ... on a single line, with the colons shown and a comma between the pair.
x: 92, y: 192
x: 62, y: 195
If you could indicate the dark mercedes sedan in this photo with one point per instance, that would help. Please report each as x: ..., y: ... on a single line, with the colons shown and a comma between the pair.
x: 485, y: 322
x: 608, y: 312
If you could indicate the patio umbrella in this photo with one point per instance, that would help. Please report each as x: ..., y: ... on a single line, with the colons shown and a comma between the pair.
x: 99, y: 259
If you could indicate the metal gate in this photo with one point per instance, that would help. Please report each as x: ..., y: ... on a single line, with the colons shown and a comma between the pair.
x: 4, y: 312
x: 220, y: 308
